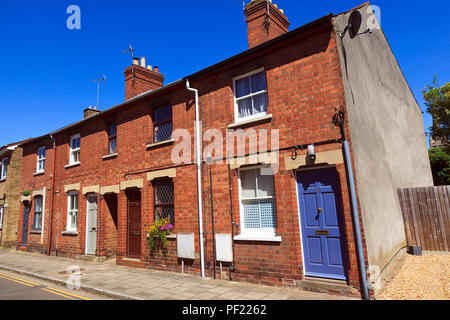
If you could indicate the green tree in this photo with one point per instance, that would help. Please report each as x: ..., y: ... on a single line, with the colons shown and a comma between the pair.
x: 440, y: 165
x: 437, y: 100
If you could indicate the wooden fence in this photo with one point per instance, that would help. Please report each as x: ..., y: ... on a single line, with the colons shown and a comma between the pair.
x: 426, y: 213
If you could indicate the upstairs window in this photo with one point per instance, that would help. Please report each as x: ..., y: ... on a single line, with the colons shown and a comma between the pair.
x: 1, y: 217
x: 164, y: 200
x: 72, y: 211
x: 250, y: 92
x: 112, y: 138
x: 162, y: 123
x: 74, y: 149
x: 3, y: 168
x: 40, y: 167
x: 37, y: 222
x: 258, y: 211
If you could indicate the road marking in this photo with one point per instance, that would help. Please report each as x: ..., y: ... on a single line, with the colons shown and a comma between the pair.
x: 20, y: 279
x: 24, y: 283
x: 57, y: 293
x: 69, y: 293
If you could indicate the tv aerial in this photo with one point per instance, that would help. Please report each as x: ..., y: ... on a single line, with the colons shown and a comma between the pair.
x: 130, y: 51
x: 102, y: 79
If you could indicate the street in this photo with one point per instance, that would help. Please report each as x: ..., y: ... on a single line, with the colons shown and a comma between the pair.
x: 18, y: 287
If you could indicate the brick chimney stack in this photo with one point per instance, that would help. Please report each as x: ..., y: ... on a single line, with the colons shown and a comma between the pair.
x: 264, y: 22
x: 90, y: 111
x: 140, y: 78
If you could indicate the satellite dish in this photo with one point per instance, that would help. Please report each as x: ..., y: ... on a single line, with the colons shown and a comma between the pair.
x: 354, y: 23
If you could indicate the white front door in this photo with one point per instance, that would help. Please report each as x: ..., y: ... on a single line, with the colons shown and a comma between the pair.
x: 91, y: 224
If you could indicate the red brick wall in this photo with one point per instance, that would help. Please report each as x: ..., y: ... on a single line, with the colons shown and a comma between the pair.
x: 304, y: 87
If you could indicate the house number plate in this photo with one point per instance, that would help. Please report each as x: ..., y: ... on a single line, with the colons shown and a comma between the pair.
x: 322, y: 233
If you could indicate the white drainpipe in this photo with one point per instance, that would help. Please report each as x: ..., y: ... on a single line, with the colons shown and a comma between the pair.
x: 199, y: 181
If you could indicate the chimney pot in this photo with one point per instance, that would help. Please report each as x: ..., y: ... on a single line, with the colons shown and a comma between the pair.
x: 143, y: 62
x: 136, y: 61
x: 156, y: 69
x: 149, y: 67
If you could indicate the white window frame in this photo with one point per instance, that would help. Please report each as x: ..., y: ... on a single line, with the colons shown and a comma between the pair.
x: 1, y: 217
x: 255, y: 234
x: 73, y: 151
x: 40, y: 160
x: 41, y: 212
x: 70, y: 212
x: 4, y: 169
x: 237, y: 119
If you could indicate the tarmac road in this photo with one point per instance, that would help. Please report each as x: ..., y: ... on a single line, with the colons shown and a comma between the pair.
x: 18, y: 287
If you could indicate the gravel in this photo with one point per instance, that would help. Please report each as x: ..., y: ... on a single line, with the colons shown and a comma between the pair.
x: 424, y: 277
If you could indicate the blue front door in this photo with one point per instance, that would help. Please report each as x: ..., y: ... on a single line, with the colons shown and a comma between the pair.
x: 321, y: 224
x: 26, y: 214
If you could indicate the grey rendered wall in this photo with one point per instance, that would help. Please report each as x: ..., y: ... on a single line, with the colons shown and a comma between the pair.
x: 387, y: 136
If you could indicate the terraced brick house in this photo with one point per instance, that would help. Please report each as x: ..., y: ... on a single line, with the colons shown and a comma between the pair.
x: 318, y: 208
x: 10, y: 178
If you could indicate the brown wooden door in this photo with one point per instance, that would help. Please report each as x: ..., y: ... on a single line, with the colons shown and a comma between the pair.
x: 134, y: 223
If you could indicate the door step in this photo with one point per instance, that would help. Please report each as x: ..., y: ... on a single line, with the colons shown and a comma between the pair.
x: 326, y: 285
x: 93, y: 258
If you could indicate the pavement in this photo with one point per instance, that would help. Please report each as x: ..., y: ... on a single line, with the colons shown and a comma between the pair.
x: 125, y: 283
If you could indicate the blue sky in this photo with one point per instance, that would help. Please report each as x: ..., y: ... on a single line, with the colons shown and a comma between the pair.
x: 46, y: 68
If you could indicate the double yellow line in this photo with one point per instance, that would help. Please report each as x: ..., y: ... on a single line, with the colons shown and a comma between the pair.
x: 19, y: 280
x: 31, y: 284
x: 64, y: 294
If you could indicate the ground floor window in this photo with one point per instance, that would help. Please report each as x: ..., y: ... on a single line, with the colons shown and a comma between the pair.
x: 72, y: 211
x: 37, y: 222
x: 257, y: 197
x: 164, y: 200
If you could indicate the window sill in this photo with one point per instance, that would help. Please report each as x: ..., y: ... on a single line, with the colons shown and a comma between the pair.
x: 256, y: 238
x: 110, y: 156
x: 72, y: 165
x: 160, y: 144
x: 35, y: 231
x: 38, y: 173
x: 4, y: 179
x: 70, y: 233
x: 250, y: 122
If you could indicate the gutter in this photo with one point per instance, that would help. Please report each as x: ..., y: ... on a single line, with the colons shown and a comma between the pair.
x: 199, y: 180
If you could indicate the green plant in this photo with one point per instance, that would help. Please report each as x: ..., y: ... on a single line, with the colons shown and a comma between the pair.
x: 437, y: 100
x: 158, y: 232
x: 440, y: 165
x: 26, y: 193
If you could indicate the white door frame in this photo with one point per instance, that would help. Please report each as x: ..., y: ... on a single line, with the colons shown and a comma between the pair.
x: 88, y: 196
